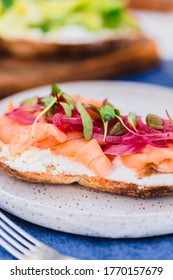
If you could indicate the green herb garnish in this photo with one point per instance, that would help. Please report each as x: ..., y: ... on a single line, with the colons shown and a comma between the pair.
x: 57, y: 90
x: 69, y: 100
x: 117, y: 112
x: 49, y: 102
x: 127, y: 128
x: 30, y: 101
x: 86, y: 121
x: 66, y: 108
x: 132, y: 119
x: 66, y: 97
x: 107, y: 114
x: 170, y: 118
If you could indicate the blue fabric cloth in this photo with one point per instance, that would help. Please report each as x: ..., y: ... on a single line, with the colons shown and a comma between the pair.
x: 82, y: 247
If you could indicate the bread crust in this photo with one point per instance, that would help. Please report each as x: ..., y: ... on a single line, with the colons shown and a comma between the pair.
x: 28, y: 48
x: 101, y: 184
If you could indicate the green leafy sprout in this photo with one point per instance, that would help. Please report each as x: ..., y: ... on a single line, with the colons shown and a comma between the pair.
x: 170, y: 118
x: 107, y: 113
x: 86, y: 120
x: 132, y: 119
x: 49, y: 102
x: 66, y: 108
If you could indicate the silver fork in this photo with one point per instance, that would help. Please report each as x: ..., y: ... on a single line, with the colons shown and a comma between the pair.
x: 23, y: 246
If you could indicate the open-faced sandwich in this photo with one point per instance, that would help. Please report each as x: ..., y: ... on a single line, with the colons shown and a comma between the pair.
x: 74, y: 39
x: 61, y: 139
x: 43, y: 27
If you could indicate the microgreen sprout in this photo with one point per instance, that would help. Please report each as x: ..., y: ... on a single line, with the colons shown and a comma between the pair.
x: 66, y: 108
x: 170, y: 118
x: 57, y: 90
x: 107, y: 114
x: 132, y: 119
x: 86, y: 120
x: 49, y: 102
x: 30, y: 101
x: 126, y: 127
x: 69, y: 100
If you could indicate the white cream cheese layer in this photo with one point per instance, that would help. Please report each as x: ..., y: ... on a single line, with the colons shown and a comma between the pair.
x: 74, y: 34
x: 38, y: 161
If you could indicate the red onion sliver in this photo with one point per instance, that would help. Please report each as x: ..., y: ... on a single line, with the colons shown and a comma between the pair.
x: 21, y: 116
x: 72, y: 120
x: 30, y: 107
x: 109, y: 139
x: 122, y: 149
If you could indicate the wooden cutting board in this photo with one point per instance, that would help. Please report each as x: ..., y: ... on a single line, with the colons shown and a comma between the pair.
x: 161, y: 5
x: 18, y: 74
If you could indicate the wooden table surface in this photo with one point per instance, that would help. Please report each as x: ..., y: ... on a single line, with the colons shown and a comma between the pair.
x: 160, y: 5
x: 17, y: 74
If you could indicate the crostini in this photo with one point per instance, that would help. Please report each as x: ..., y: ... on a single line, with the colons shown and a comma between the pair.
x: 61, y: 139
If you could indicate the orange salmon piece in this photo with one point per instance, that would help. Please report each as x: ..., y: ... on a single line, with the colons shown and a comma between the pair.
x: 88, y: 152
x: 69, y: 148
x: 135, y: 162
x: 10, y: 107
x: 7, y: 127
x: 49, y: 142
x: 149, y: 155
x: 101, y: 166
x: 74, y: 135
x: 87, y: 101
x: 92, y: 156
x: 22, y: 136
x: 166, y: 166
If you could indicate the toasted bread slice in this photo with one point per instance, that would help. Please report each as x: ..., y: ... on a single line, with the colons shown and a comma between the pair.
x: 29, y: 48
x: 65, y: 171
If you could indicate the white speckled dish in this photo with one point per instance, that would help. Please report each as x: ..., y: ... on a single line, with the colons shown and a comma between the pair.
x: 79, y: 210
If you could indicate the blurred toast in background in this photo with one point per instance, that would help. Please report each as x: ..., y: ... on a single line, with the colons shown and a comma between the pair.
x: 44, y: 42
x: 160, y: 5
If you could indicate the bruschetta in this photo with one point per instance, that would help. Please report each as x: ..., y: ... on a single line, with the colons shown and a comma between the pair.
x: 74, y: 39
x: 65, y: 28
x: 61, y: 139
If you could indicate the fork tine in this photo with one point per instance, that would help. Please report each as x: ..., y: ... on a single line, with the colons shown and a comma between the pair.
x: 19, y: 230
x: 11, y: 249
x: 35, y: 250
x: 16, y: 235
x: 13, y: 242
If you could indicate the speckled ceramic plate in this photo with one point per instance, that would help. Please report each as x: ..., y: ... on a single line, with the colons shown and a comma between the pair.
x: 79, y: 210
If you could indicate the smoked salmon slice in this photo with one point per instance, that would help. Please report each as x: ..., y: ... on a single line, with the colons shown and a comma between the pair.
x: 160, y: 157
x: 22, y: 137
x: 69, y: 148
x: 7, y: 127
x: 92, y: 156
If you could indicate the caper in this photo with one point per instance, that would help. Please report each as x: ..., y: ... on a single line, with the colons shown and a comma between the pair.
x: 117, y: 129
x: 154, y: 121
